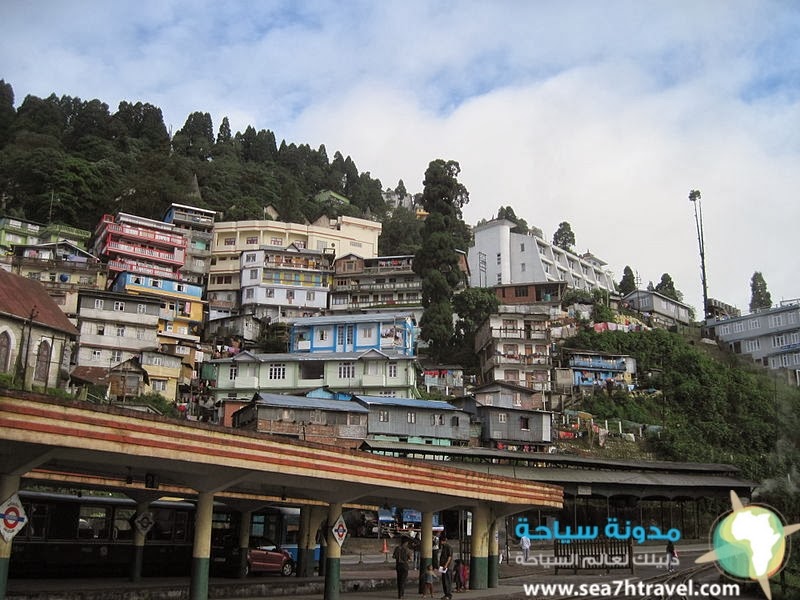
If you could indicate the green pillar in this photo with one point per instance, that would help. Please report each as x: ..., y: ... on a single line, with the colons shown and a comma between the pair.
x: 494, y: 554
x: 9, y: 485
x: 311, y: 518
x: 333, y: 555
x: 137, y: 560
x: 244, y: 542
x: 479, y: 560
x: 201, y: 553
x: 426, y: 546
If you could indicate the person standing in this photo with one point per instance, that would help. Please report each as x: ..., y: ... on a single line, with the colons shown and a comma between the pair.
x: 525, y: 544
x: 446, y: 567
x: 672, y: 556
x: 402, y: 556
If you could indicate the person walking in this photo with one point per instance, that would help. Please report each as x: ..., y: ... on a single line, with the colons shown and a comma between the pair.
x: 446, y: 567
x: 672, y: 556
x: 525, y: 544
x: 402, y: 556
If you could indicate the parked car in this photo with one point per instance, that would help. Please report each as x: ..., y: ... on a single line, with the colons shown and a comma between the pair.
x: 264, y: 556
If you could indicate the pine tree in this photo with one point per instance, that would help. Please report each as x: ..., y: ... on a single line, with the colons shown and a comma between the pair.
x: 760, y: 297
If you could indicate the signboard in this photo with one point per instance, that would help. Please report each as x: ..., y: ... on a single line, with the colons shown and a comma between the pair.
x: 144, y: 522
x: 12, y: 518
x: 339, y: 530
x: 584, y: 490
x: 411, y: 516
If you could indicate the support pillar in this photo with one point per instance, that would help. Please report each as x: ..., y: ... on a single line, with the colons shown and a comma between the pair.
x: 494, y: 554
x: 311, y: 518
x: 138, y: 545
x: 244, y: 542
x: 9, y: 485
x: 426, y: 547
x: 201, y: 552
x: 479, y: 559
x: 333, y: 555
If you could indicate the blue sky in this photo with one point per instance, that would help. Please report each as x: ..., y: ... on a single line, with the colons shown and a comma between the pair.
x: 602, y: 114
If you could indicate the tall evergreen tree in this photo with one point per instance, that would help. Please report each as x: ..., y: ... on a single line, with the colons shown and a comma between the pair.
x: 666, y: 287
x: 628, y: 282
x: 506, y: 212
x: 437, y: 261
x: 759, y: 296
x: 563, y: 237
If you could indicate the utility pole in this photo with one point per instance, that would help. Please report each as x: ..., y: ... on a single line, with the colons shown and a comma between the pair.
x: 694, y: 197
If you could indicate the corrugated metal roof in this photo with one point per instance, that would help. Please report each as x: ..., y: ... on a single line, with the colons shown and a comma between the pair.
x: 281, y: 400
x: 22, y: 297
x: 348, y: 319
x: 407, y: 402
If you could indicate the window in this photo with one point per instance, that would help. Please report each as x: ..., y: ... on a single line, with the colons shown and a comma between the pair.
x: 454, y: 421
x: 96, y: 354
x: 251, y: 240
x: 411, y: 417
x: 182, y: 350
x: 120, y: 330
x: 310, y: 296
x: 755, y: 324
x: 499, y: 278
x: 5, y: 351
x: 98, y: 303
x: 101, y: 329
x: 522, y: 267
x: 276, y: 241
x: 524, y: 423
x: 738, y: 327
x: 392, y: 369
x: 517, y: 400
x: 157, y: 361
x: 233, y: 371
x: 520, y: 291
x: 250, y: 258
x: 42, y: 362
x: 159, y: 385
x: 277, y: 371
x: 502, y: 418
x: 270, y: 292
x: 230, y: 241
x: 522, y: 247
x: 776, y: 321
x: 248, y: 294
x: 116, y: 356
x: 437, y: 420
x: 346, y: 370
x: 383, y: 416
x: 156, y: 283
x: 499, y: 258
x: 349, y: 334
x: 752, y: 345
x: 141, y: 309
x: 290, y: 294
x: 778, y: 341
x: 180, y: 287
x: 253, y: 273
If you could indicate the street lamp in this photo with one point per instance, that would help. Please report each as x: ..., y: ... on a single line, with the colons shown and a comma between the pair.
x: 694, y: 197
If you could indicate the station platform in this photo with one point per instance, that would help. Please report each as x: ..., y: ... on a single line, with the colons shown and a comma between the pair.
x: 365, y: 578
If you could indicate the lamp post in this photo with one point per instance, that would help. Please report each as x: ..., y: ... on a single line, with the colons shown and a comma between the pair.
x: 694, y: 197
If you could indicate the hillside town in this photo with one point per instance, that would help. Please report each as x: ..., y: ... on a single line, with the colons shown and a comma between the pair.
x: 182, y: 307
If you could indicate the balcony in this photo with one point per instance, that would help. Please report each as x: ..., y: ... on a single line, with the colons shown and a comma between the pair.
x: 142, y: 269
x: 178, y: 257
x: 161, y: 238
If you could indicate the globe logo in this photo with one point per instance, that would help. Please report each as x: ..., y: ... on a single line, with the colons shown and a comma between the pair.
x: 749, y: 543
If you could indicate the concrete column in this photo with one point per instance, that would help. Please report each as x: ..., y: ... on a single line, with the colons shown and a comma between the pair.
x: 311, y: 518
x: 201, y: 552
x: 9, y: 485
x: 479, y: 559
x: 494, y: 553
x: 426, y: 546
x: 333, y: 555
x: 138, y: 545
x: 244, y: 542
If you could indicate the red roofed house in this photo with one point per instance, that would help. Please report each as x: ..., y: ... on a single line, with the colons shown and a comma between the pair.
x: 36, y: 337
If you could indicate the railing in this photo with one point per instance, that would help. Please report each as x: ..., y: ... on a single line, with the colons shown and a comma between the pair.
x: 162, y: 238
x: 123, y: 265
x: 177, y: 257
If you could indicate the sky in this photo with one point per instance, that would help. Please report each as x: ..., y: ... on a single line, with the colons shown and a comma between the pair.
x: 601, y: 114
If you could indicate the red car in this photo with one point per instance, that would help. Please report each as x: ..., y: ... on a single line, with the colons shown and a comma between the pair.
x: 264, y: 556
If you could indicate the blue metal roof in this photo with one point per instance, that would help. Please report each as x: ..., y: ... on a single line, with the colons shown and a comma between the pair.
x: 281, y: 400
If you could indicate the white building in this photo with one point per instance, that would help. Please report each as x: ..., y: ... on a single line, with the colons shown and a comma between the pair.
x: 500, y: 257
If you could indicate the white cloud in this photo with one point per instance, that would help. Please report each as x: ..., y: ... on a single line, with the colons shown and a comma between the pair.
x: 601, y: 114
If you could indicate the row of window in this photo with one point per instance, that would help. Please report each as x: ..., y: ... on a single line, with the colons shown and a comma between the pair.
x: 779, y: 320
x: 344, y: 370
x: 249, y: 294
x: 436, y: 419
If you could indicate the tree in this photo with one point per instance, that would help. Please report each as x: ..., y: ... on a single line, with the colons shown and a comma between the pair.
x: 666, y: 287
x: 628, y: 282
x: 563, y: 237
x: 759, y: 296
x: 401, y: 234
x: 437, y: 262
x: 400, y: 190
x: 506, y: 212
x: 473, y: 306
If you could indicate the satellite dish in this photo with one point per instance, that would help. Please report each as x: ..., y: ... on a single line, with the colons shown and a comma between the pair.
x: 64, y: 278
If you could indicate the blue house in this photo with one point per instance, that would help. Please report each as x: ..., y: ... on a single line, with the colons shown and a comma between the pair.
x: 354, y: 333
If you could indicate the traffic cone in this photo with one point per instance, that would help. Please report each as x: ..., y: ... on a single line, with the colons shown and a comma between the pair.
x: 385, y: 551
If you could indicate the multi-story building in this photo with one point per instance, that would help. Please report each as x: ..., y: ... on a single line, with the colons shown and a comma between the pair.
x: 361, y: 284
x: 513, y: 345
x: 139, y: 246
x: 166, y: 373
x: 56, y: 232
x: 509, y: 428
x: 593, y: 370
x: 658, y: 309
x: 770, y: 336
x: 500, y: 256
x: 17, y: 231
x: 196, y: 225
x: 384, y: 332
x: 281, y: 284
x: 180, y: 316
x: 231, y: 238
x: 61, y: 267
x: 115, y: 327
